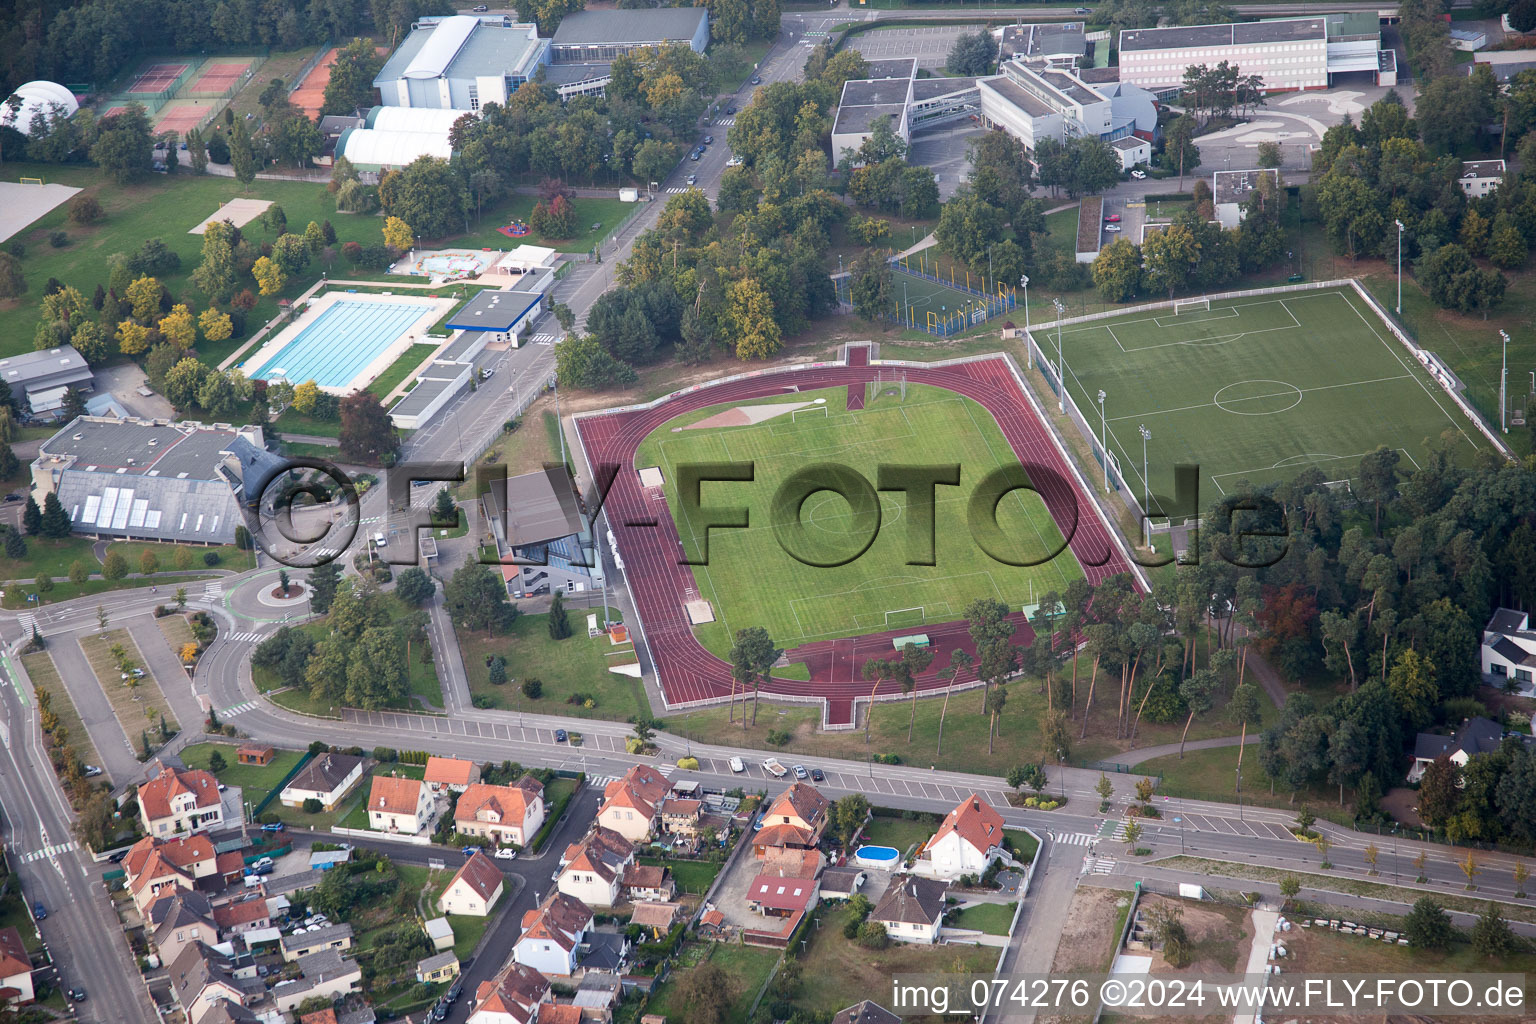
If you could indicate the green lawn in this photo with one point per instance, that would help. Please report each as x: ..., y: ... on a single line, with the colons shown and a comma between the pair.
x: 355, y: 813
x: 747, y: 967
x: 45, y: 676
x: 50, y: 558
x: 751, y: 580
x: 16, y: 597
x: 1212, y: 775
x: 589, y: 211
x: 566, y: 667
x: 897, y: 832
x: 396, y: 373
x: 13, y: 914
x: 229, y: 556
x: 1257, y: 389
x: 1025, y: 846
x: 691, y: 876
x: 256, y: 781
x: 989, y: 918
x: 294, y: 422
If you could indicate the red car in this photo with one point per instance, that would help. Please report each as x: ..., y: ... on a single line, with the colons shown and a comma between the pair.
x: 1112, y: 218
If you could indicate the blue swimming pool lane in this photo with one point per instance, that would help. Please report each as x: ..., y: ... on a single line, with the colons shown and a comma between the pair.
x: 341, y: 342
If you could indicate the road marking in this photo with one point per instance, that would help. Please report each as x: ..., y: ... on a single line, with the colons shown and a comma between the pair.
x: 244, y: 638
x: 727, y: 121
x: 28, y: 624
x: 48, y: 851
x: 237, y: 709
x: 1103, y: 865
x: 214, y: 590
x: 1071, y: 838
x: 544, y: 339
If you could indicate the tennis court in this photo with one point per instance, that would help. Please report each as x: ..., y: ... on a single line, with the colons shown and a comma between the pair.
x: 218, y: 76
x: 157, y: 78
x: 350, y: 334
x: 184, y: 115
x: 310, y: 94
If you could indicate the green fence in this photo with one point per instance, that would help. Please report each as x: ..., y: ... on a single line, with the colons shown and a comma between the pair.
x: 273, y: 793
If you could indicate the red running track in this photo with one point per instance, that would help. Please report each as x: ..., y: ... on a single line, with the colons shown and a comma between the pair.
x: 648, y: 538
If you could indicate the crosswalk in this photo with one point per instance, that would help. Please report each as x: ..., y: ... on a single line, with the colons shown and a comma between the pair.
x: 726, y: 121
x: 48, y: 851
x: 236, y: 709
x: 28, y: 623
x: 544, y: 339
x: 678, y: 189
x: 244, y: 638
x: 213, y: 590
x: 1118, y: 832
x: 1102, y: 865
x: 1071, y: 838
x: 663, y: 770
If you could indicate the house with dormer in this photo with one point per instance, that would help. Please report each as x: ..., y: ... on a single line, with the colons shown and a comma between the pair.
x: 552, y: 935
x: 180, y: 918
x: 152, y: 866
x: 513, y: 996
x: 1509, y: 652
x: 176, y: 801
x: 505, y: 815
x: 631, y: 804
x: 968, y: 840
x: 794, y: 821
x: 592, y: 870
x: 399, y: 804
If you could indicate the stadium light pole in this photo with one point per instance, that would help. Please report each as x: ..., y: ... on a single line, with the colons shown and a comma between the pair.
x: 1029, y: 342
x: 1503, y: 384
x: 1146, y: 486
x: 1061, y: 366
x: 1399, y: 267
x: 1104, y: 439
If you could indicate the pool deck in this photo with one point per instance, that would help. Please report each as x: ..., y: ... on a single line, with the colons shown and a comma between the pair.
x: 413, y: 333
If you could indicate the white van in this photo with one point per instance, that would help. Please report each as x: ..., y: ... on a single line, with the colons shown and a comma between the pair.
x: 737, y: 765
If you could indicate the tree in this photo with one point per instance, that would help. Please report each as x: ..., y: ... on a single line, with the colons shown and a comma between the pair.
x: 350, y: 86
x: 1377, y: 478
x: 216, y: 326
x: 1439, y: 792
x: 55, y: 522
x: 15, y: 546
x: 305, y: 397
x: 216, y: 275
x: 197, y: 151
x: 323, y: 582
x: 972, y: 54
x: 428, y: 195
x: 184, y: 381
x: 178, y: 327
x: 752, y: 656
x: 1491, y: 935
x: 582, y: 361
x: 12, y: 281
x: 707, y: 992
x: 269, y: 275
x: 476, y: 598
x: 397, y: 233
x: 870, y: 280
x: 1117, y: 271
x: 414, y: 586
x: 114, y: 566
x: 533, y: 688
x: 124, y: 144
x: 1427, y: 925
x: 148, y: 563
x: 749, y: 315
x: 216, y: 762
x: 1179, y: 149
x: 1104, y: 787
x: 1520, y: 874
x: 444, y: 511
x: 1290, y: 885
x: 1132, y: 833
x: 144, y: 297
x: 79, y: 572
x: 1506, y: 249
x: 496, y: 671
x: 1470, y: 868
x: 559, y: 618
x: 31, y: 517
x: 1170, y: 257
x: 1412, y: 684
x: 1453, y: 281
x: 366, y: 435
x: 1270, y: 154
x: 849, y: 815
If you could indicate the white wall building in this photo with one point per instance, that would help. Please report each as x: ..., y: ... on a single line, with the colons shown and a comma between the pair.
x: 1288, y: 53
x: 460, y: 62
x: 1481, y: 177
x: 1509, y: 651
x: 967, y: 842
x: 1231, y: 189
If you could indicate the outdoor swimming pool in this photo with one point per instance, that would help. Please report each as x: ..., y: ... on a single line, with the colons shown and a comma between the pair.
x: 876, y: 856
x: 342, y: 341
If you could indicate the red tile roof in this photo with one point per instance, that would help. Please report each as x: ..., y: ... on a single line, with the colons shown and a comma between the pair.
x: 449, y: 771
x: 507, y: 805
x: 976, y: 822
x: 559, y: 1013
x: 641, y: 788
x: 326, y: 1016
x: 603, y: 852
x: 481, y: 874
x: 515, y: 991
x: 645, y: 876
x: 394, y: 795
x: 781, y: 893
x: 181, y: 854
x: 155, y: 795
x: 561, y: 919
x: 13, y: 954
x: 802, y: 801
x: 782, y: 835
x: 245, y: 912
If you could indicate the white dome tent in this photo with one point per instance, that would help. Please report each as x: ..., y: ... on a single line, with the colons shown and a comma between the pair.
x: 37, y: 97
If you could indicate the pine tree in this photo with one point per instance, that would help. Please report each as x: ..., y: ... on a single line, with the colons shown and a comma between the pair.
x: 15, y: 547
x: 32, y: 518
x: 55, y: 522
x: 559, y: 619
x: 323, y: 580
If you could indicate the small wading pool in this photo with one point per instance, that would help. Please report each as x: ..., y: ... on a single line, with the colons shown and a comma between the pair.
x: 876, y: 856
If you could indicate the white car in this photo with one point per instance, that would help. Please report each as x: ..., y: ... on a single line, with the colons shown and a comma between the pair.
x: 505, y: 853
x: 1111, y: 227
x: 800, y: 772
x: 1138, y: 175
x: 693, y: 179
x: 738, y: 765
x: 772, y: 767
x: 734, y: 161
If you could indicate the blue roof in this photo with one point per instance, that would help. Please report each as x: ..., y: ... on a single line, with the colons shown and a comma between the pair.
x: 494, y: 311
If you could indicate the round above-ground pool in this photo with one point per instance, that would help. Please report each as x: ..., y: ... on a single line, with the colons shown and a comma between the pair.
x: 876, y: 856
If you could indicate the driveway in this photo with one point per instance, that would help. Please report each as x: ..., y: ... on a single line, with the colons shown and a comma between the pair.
x: 123, y: 382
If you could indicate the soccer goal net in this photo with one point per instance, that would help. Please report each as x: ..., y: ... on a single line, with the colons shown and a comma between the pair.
x: 1186, y: 305
x: 31, y: 181
x: 904, y: 617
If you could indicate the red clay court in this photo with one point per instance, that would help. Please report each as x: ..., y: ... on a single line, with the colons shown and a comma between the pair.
x: 219, y: 76
x: 182, y: 115
x: 157, y: 77
x: 648, y: 539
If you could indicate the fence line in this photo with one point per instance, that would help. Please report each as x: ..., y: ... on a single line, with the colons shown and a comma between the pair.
x: 309, y: 66
x: 239, y: 82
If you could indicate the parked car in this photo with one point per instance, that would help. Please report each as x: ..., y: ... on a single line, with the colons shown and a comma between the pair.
x: 77, y: 994
x: 265, y: 869
x: 15, y: 497
x: 470, y: 851
x: 262, y: 863
x: 734, y: 161
x: 560, y: 736
x: 694, y: 155
x: 39, y: 911
x: 737, y: 765
x: 709, y: 140
x: 481, y: 9
x: 452, y: 995
x: 772, y: 767
x: 275, y: 826
x: 92, y: 770
x: 1138, y: 175
x: 506, y: 853
x: 731, y: 109
x: 1081, y: 10
x: 817, y: 776
x: 800, y: 772
x: 1111, y: 227
x: 262, y: 970
x: 756, y: 80
x: 1111, y: 218
x: 693, y: 179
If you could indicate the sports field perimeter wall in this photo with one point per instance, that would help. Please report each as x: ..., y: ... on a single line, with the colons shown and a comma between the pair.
x: 1127, y: 494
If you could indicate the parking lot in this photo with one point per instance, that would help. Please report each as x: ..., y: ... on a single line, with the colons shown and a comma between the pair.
x: 930, y: 44
x: 1132, y: 213
x: 945, y: 153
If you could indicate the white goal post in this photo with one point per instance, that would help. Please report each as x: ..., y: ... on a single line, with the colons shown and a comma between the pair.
x: 1185, y: 305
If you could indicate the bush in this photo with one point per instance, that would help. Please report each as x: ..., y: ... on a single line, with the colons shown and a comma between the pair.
x: 268, y: 818
x: 872, y: 935
x: 777, y: 737
x: 58, y: 239
x: 388, y: 755
x: 17, y: 248
x: 312, y: 805
x: 210, y: 558
x: 481, y: 700
x: 85, y: 210
x: 688, y: 764
x: 533, y: 688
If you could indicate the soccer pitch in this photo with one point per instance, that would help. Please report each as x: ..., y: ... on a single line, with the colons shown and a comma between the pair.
x: 751, y: 581
x: 1255, y: 389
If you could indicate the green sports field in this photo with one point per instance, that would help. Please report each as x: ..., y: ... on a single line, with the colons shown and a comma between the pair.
x: 1255, y: 389
x: 751, y: 581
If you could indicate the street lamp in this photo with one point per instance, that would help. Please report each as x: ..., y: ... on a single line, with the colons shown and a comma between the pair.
x: 1104, y: 439
x: 1061, y: 771
x: 1399, y: 267
x: 1029, y: 342
x: 1061, y: 366
x: 1146, y: 484
x: 1239, y: 792
x: 1503, y: 383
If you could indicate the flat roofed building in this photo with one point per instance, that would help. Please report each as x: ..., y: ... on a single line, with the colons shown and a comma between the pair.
x: 503, y: 316
x: 460, y: 62
x: 1287, y: 53
x: 596, y: 37
x: 1064, y: 43
x: 1230, y: 189
x: 38, y: 380
x: 153, y: 479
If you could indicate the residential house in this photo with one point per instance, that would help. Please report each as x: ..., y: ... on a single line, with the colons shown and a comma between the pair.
x: 1509, y: 652
x: 298, y: 945
x: 648, y: 882
x: 437, y: 967
x: 398, y: 804
x: 841, y: 883
x: 506, y: 815
x: 15, y: 969
x: 325, y: 1016
x: 967, y: 842
x: 450, y: 773
x: 1476, y: 736
x: 630, y: 803
x: 257, y: 755
x: 658, y: 918
x: 230, y: 1013
x: 680, y: 816
x: 328, y: 975
x: 593, y: 869
x: 794, y: 820
x: 475, y: 889
x: 201, y: 979
x: 242, y: 916
x: 552, y: 935
x: 866, y: 1012
x: 152, y: 865
x: 327, y: 778
x: 912, y: 909
x: 179, y: 800
x: 179, y: 918
x: 513, y: 996
x: 1481, y: 177
x: 563, y: 1013
x: 789, y: 863
x: 773, y: 896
